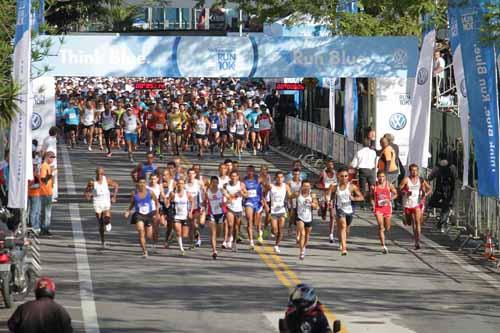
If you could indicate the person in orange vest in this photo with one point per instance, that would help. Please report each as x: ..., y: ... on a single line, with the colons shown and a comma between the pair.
x: 34, y: 203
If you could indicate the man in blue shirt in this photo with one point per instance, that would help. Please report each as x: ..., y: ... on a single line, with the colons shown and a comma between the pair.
x: 71, y: 117
x: 254, y: 129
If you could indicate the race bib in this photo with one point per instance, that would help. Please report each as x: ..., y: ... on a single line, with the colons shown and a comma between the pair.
x: 72, y: 116
x: 382, y: 202
x: 159, y: 126
x: 213, y: 126
x: 252, y: 193
x: 144, y: 209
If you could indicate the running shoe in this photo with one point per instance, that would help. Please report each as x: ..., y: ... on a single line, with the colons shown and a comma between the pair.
x: 260, y: 240
x: 224, y: 245
x: 229, y: 245
x: 385, y: 250
x: 84, y: 141
x: 198, y: 243
x: 90, y: 148
x: 302, y: 255
x: 344, y: 253
x: 252, y: 245
x: 108, y: 227
x: 132, y: 160
x: 183, y: 253
x: 214, y: 255
x: 330, y: 238
x: 417, y: 246
x: 254, y: 152
x: 277, y: 249
x: 238, y: 239
x: 145, y: 255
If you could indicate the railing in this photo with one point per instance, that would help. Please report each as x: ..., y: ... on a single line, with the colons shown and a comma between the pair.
x: 445, y: 92
x: 472, y: 215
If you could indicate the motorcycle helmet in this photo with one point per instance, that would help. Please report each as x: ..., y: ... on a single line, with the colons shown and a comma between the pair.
x: 45, y: 287
x: 303, y: 297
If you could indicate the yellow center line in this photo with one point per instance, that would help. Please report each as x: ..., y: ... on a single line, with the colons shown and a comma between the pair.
x: 279, y: 274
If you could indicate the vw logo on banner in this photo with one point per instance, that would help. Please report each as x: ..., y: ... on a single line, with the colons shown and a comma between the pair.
x: 422, y: 76
x: 36, y: 121
x: 397, y: 121
x: 463, y: 88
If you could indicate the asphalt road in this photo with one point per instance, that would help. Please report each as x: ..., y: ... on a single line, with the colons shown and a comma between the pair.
x: 115, y: 290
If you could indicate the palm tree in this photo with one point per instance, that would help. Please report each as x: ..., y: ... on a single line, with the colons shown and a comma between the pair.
x: 121, y: 18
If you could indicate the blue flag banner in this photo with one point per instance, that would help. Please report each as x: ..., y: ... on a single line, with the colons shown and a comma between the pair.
x: 481, y: 81
x: 39, y: 16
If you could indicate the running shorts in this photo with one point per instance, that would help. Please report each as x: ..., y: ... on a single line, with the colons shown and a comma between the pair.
x: 200, y: 136
x: 385, y: 211
x: 131, y: 137
x: 147, y: 219
x: 217, y: 218
x: 102, y: 206
x: 341, y: 214
x: 184, y: 223
x: 412, y: 210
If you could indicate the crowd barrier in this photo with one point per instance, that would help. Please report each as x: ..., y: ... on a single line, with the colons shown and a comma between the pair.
x: 473, y: 215
x: 321, y: 140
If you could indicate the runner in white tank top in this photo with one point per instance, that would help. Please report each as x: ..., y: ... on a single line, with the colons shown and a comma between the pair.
x: 156, y: 188
x: 279, y: 191
x: 345, y: 193
x: 214, y: 201
x: 328, y: 179
x: 295, y: 184
x: 234, y: 191
x: 183, y: 203
x: 98, y: 190
x: 306, y: 202
x: 196, y: 189
x: 414, y: 190
x: 88, y: 121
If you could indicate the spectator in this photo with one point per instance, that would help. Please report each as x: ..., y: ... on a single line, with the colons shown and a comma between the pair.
x: 372, y: 137
x: 445, y: 175
x: 438, y: 70
x: 4, y: 178
x: 271, y: 100
x: 50, y: 144
x: 387, y: 161
x: 43, y: 314
x: 34, y: 193
x: 394, y: 146
x: 365, y: 161
x: 47, y: 173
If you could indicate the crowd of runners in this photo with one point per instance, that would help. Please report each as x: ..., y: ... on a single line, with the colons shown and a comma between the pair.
x: 182, y: 202
x: 177, y: 115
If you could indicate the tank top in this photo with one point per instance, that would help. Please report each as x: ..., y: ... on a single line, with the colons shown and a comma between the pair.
x: 156, y: 190
x: 223, y: 124
x: 108, y: 121
x: 236, y: 204
x: 194, y: 190
x: 144, y: 205
x: 413, y: 199
x: 278, y: 196
x: 215, y: 202
x: 343, y: 199
x: 382, y: 196
x: 304, y: 208
x: 147, y: 170
x: 264, y: 123
x: 214, y: 122
x: 329, y: 181
x: 240, y: 126
x: 254, y: 191
x: 295, y: 188
x: 181, y: 206
x: 101, y: 191
x: 223, y: 181
x: 201, y: 127
x: 88, y: 117
x: 130, y: 123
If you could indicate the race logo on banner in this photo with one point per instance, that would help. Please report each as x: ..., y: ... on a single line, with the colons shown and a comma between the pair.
x: 481, y: 81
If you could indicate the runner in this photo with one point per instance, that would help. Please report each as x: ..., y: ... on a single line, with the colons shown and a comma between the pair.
x: 88, y: 121
x: 253, y: 205
x: 241, y: 125
x: 168, y: 210
x: 108, y: 121
x: 72, y: 120
x: 155, y: 187
x: 253, y: 125
x: 344, y: 194
x: 278, y: 192
x: 327, y: 180
x: 119, y: 111
x: 157, y: 129
x: 146, y: 207
x: 130, y: 123
x: 201, y: 126
x: 382, y: 195
x: 223, y: 130
x: 216, y: 208
x: 175, y: 121
x: 98, y: 190
x: 295, y: 185
x: 213, y: 136
x: 265, y: 126
x: 414, y: 190
x: 195, y: 188
x: 146, y: 169
x: 98, y: 123
x: 234, y: 192
x: 306, y: 202
x: 183, y: 203
x: 265, y: 179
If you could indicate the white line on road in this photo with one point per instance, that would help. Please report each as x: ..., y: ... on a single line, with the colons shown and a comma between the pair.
x: 89, y: 312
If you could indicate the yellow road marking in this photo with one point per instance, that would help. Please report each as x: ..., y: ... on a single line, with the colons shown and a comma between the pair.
x: 279, y: 274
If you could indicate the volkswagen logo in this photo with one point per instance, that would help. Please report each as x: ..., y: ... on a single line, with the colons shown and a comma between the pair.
x: 400, y: 57
x: 463, y: 88
x: 422, y: 76
x: 397, y: 121
x: 36, y: 121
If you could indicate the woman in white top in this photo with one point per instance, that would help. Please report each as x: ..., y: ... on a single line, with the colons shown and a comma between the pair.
x: 279, y: 192
x: 201, y: 126
x: 183, y: 203
x: 155, y: 187
x: 344, y: 194
x: 88, y: 121
x: 98, y: 190
x: 306, y: 202
x: 241, y: 125
x: 327, y: 180
x: 234, y: 192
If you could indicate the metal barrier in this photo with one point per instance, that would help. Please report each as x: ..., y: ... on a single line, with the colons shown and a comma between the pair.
x: 473, y: 215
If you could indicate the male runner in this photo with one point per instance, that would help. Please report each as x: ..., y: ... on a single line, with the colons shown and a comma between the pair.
x: 216, y: 208
x: 234, y: 191
x: 382, y: 195
x: 253, y: 205
x: 306, y: 202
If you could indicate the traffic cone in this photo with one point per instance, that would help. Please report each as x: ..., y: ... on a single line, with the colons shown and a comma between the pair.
x: 489, y: 251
